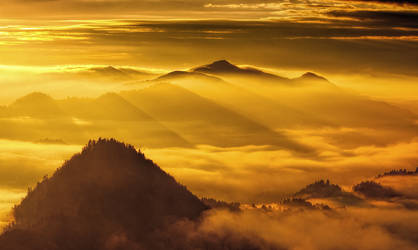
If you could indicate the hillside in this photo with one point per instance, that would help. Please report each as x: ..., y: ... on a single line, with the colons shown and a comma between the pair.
x: 108, y: 189
x: 203, y: 121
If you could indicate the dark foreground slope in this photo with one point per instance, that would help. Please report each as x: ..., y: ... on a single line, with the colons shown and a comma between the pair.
x: 107, y: 197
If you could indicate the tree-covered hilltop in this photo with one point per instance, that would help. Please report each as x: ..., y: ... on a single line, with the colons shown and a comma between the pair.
x: 400, y: 172
x: 374, y: 190
x: 320, y: 189
x: 108, y: 189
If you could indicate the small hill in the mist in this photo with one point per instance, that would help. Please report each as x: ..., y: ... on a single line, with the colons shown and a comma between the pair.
x: 107, y: 194
x: 374, y: 190
x: 35, y: 104
x: 310, y: 77
x: 110, y: 71
x: 320, y: 189
x: 326, y: 190
x: 109, y: 106
x: 115, y: 73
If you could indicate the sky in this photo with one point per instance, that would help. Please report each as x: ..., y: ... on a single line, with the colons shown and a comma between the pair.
x: 329, y: 36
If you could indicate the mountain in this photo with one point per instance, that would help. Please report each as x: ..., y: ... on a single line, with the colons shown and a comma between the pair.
x: 107, y: 195
x: 185, y: 74
x: 239, y: 99
x: 201, y: 120
x: 34, y: 117
x: 219, y: 67
x: 110, y: 71
x: 319, y: 100
x: 225, y: 68
x: 320, y: 189
x: 328, y: 191
x: 111, y: 115
x: 109, y: 106
x: 374, y: 190
x: 311, y: 77
x: 115, y: 73
x: 74, y: 120
x: 181, y: 105
x: 36, y: 104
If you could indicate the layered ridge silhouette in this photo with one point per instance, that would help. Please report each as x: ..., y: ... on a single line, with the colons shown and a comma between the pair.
x: 220, y: 104
x: 203, y: 121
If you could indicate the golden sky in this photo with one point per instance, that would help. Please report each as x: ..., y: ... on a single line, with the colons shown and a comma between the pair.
x: 325, y: 36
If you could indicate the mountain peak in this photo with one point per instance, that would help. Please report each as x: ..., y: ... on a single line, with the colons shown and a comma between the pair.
x: 35, y: 97
x: 110, y: 71
x: 221, y: 66
x: 108, y: 188
x: 310, y: 76
x: 224, y: 67
x: 36, y: 104
x: 221, y: 63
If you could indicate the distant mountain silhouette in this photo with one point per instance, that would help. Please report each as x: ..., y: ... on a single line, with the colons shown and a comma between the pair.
x: 224, y: 67
x: 75, y: 120
x: 185, y: 74
x: 309, y: 76
x: 237, y: 98
x: 221, y: 66
x: 116, y: 73
x: 108, y: 190
x: 203, y: 121
x: 112, y: 111
x: 110, y: 71
x: 109, y: 106
x: 313, y: 80
x: 309, y: 100
x: 36, y: 104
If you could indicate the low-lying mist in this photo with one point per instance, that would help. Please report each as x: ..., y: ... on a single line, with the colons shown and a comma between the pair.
x: 110, y: 196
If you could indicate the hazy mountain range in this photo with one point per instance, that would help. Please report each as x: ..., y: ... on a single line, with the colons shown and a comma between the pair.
x: 217, y: 104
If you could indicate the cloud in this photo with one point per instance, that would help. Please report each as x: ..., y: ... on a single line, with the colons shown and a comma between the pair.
x: 233, y: 174
x: 22, y: 164
x: 163, y: 43
x: 402, y: 184
x: 346, y: 229
x: 391, y: 1
x: 405, y: 19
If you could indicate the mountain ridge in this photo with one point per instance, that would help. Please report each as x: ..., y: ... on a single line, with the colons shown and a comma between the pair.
x: 224, y: 67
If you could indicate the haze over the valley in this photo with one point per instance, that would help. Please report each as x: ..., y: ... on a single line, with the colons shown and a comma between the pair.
x: 216, y: 127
